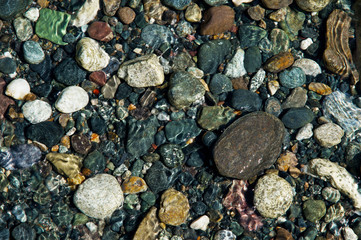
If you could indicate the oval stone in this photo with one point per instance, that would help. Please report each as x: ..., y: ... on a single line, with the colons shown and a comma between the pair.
x: 258, y: 137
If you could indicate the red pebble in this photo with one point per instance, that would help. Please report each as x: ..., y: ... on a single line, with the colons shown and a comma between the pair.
x: 98, y: 77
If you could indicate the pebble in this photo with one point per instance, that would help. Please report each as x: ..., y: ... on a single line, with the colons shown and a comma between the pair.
x: 224, y: 235
x: 20, y: 156
x: 158, y: 177
x: 69, y: 73
x: 174, y: 208
x: 18, y: 89
x: 278, y: 15
x: 296, y: 99
x: 328, y: 135
x: 179, y: 132
x: 52, y: 25
x: 276, y: 4
x: 220, y: 84
x: 305, y: 132
x: 144, y: 71
x: 211, y: 54
x: 98, y: 77
x: 279, y: 62
x: 184, y: 89
x: 193, y: 13
x: 32, y: 14
x: 200, y: 223
x: 320, y: 88
x: 250, y: 35
x: 23, y: 231
x: 257, y: 80
x: 314, y: 210
x: 86, y: 13
x: 68, y: 165
x: 312, y: 5
x: 245, y: 100
x: 293, y: 23
x: 81, y: 143
x: 48, y: 133
x: 99, y: 196
x: 126, y: 15
x: 110, y: 7
x: 149, y: 226
x: 286, y: 161
x: 23, y: 28
x: 235, y: 68
x: 33, y: 53
x: 110, y: 88
x: 295, y: 77
x: 306, y: 43
x: 36, y: 111
x: 7, y: 65
x: 10, y: 8
x: 213, y: 117
x: 338, y: 176
x: 217, y: 20
x: 331, y: 194
x: 309, y: 66
x: 283, y: 234
x: 256, y: 13
x: 90, y: 55
x: 297, y: 117
x: 134, y: 185
x: 177, y: 4
x: 95, y: 162
x: 72, y: 99
x: 252, y: 59
x: 171, y: 154
x: 279, y: 40
x: 155, y: 35
x: 273, y: 196
x: 100, y: 31
x: 273, y: 106
x: 230, y: 158
x: 348, y: 233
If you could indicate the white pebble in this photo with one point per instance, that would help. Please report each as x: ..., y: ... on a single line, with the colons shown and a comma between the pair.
x: 36, y: 111
x: 305, y: 132
x: 18, y: 89
x: 32, y: 14
x: 309, y: 66
x: 92, y: 227
x: 306, y: 43
x: 349, y: 234
x: 328, y: 135
x: 201, y: 223
x: 224, y: 235
x: 72, y: 99
x: 235, y: 67
x: 237, y: 3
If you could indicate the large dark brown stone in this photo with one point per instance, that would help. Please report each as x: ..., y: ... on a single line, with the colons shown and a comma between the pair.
x: 217, y: 20
x: 249, y: 145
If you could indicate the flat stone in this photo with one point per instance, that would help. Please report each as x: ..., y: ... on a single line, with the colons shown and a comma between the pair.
x: 158, y: 177
x: 224, y: 235
x: 134, y: 185
x: 7, y: 65
x: 144, y: 71
x: 213, y: 117
x: 177, y: 4
x: 276, y: 4
x: 259, y: 139
x: 328, y: 135
x: 69, y: 73
x: 279, y: 62
x: 320, y: 88
x: 95, y: 162
x: 23, y: 28
x: 235, y: 68
x: 312, y: 5
x: 200, y: 223
x: 36, y: 111
x: 252, y: 59
x: 280, y: 41
x: 245, y: 100
x: 220, y: 84
x: 90, y: 55
x: 72, y: 99
x: 155, y: 35
x: 100, y: 31
x: 292, y: 78
x: 273, y: 196
x: 48, y: 133
x: 32, y: 14
x: 257, y: 80
x: 10, y: 8
x: 256, y: 12
x: 98, y: 77
x: 20, y: 156
x: 86, y: 13
x: 18, y: 89
x: 212, y: 54
x: 297, y: 117
x: 149, y: 227
x: 217, y: 20
x: 171, y: 154
x: 33, y: 53
x: 314, y: 210
x: 68, y: 165
x: 293, y: 23
x: 99, y: 197
x: 296, y: 99
x: 110, y: 88
x: 174, y: 208
x: 184, y: 89
x: 52, y: 25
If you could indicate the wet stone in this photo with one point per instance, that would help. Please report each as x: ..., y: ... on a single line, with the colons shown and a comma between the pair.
x: 220, y: 84
x: 81, y: 143
x: 279, y: 62
x: 217, y: 20
x: 69, y: 73
x: 213, y: 117
x: 295, y: 77
x: 296, y: 99
x: 252, y: 59
x: 224, y: 235
x: 179, y: 132
x: 235, y: 68
x: 12, y: 7
x: 48, y: 133
x: 250, y: 35
x: 273, y: 106
x: 276, y: 4
x: 256, y: 12
x: 33, y: 53
x: 245, y: 100
x: 177, y: 4
x: 126, y: 15
x: 7, y: 65
x: 95, y: 162
x: 100, y: 31
x: 158, y: 177
x: 72, y: 99
x: 314, y: 210
x: 23, y: 28
x: 279, y: 40
x: 259, y: 136
x: 90, y: 55
x: 68, y: 165
x: 297, y: 117
x: 328, y: 135
x: 134, y: 185
x: 19, y: 156
x: 23, y: 231
x: 36, y: 111
x: 293, y: 23
x: 172, y: 155
x: 149, y: 227
x: 18, y: 89
x: 212, y: 54
x: 193, y: 13
x: 184, y: 89
x: 155, y: 35
x: 174, y: 208
x: 110, y: 7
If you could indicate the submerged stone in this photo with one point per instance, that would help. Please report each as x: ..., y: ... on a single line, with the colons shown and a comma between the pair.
x: 19, y: 156
x: 68, y: 165
x: 212, y: 54
x: 48, y: 133
x: 179, y: 132
x: 213, y: 117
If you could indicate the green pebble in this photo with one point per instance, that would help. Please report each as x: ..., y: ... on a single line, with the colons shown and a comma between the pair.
x: 80, y: 219
x: 236, y: 229
x: 314, y: 210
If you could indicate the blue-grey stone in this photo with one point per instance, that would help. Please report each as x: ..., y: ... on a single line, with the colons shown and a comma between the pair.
x: 172, y: 155
x: 141, y: 135
x: 250, y: 35
x: 295, y: 77
x: 69, y: 73
x: 7, y: 65
x: 95, y: 161
x: 155, y: 35
x: 48, y: 133
x: 33, y: 53
x: 9, y: 8
x: 220, y: 84
x: 177, y: 4
x: 159, y: 178
x: 245, y: 100
x: 20, y: 156
x: 252, y: 59
x: 179, y: 132
x: 211, y: 55
x: 23, y: 231
x: 297, y: 117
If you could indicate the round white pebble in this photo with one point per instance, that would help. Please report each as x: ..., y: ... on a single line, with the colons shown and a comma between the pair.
x: 99, y: 196
x: 201, y: 223
x: 306, y: 43
x: 18, y: 89
x: 72, y: 99
x: 32, y: 14
x: 305, y: 132
x: 36, y: 111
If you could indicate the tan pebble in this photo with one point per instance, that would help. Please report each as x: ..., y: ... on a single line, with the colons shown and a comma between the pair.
x: 279, y: 62
x: 193, y: 13
x: 134, y: 185
x: 256, y: 12
x: 287, y: 160
x: 294, y: 172
x: 320, y: 88
x: 278, y: 15
x: 126, y: 15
